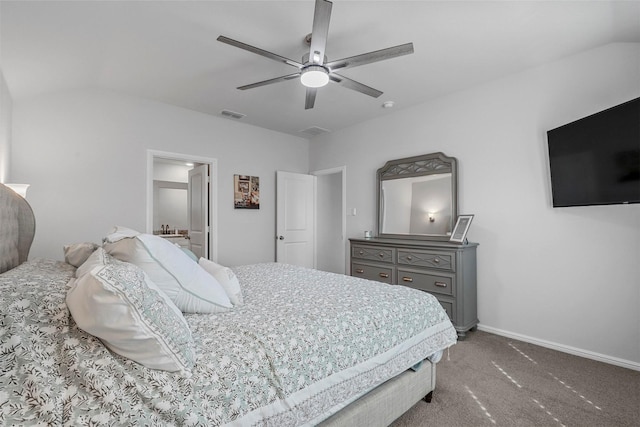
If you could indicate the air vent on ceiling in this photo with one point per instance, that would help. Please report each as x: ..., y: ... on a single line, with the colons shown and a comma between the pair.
x: 232, y: 114
x: 314, y: 131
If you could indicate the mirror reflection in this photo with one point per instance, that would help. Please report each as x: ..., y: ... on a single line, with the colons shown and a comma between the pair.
x: 418, y: 197
x: 419, y: 205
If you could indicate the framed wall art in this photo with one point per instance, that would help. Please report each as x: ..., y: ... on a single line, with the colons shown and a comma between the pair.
x: 246, y: 192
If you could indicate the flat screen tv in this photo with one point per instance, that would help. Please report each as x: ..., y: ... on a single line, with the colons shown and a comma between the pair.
x: 596, y: 160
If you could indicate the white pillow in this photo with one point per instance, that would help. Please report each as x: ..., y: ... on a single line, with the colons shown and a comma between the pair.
x: 190, y: 287
x: 120, y: 232
x: 226, y: 277
x: 116, y: 302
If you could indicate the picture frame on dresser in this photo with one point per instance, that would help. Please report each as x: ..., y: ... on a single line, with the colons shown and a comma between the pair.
x: 459, y: 234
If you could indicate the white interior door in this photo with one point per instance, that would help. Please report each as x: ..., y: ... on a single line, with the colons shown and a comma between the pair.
x: 295, y: 219
x: 198, y: 214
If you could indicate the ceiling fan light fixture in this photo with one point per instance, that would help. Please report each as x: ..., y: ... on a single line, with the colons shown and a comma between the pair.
x: 314, y: 71
x: 314, y: 76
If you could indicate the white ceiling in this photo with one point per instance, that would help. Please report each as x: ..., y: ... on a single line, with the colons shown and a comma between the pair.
x: 167, y: 50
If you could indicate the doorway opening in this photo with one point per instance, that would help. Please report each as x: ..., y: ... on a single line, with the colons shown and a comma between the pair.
x: 181, y: 195
x: 331, y: 219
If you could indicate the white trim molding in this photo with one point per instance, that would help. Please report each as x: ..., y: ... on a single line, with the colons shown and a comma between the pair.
x: 564, y: 348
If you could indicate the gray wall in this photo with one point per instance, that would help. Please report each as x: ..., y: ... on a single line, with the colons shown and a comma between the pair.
x: 6, y: 109
x: 85, y: 155
x: 560, y: 277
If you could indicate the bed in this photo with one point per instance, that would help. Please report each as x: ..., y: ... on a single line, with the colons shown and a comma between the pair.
x: 305, y: 348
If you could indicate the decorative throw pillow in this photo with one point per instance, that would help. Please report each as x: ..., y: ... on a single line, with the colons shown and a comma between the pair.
x: 116, y: 302
x: 226, y: 277
x: 77, y: 253
x: 190, y: 287
x: 98, y: 257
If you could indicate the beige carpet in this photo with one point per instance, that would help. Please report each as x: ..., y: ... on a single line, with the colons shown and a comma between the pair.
x: 488, y: 380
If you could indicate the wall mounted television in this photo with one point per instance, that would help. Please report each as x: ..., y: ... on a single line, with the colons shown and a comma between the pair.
x: 596, y: 160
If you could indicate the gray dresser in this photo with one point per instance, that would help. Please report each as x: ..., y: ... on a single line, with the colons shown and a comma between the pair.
x: 446, y: 270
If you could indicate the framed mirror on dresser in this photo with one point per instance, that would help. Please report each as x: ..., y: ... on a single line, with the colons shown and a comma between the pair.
x: 417, y: 211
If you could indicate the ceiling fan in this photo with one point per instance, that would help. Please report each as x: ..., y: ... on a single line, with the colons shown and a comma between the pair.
x: 314, y: 71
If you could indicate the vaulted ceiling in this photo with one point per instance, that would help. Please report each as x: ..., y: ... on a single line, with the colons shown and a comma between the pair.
x: 167, y: 50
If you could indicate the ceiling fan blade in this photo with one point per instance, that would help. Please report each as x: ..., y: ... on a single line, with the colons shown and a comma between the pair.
x: 367, y: 58
x: 354, y: 85
x: 259, y: 51
x: 270, y: 81
x: 320, y: 32
x: 311, y: 98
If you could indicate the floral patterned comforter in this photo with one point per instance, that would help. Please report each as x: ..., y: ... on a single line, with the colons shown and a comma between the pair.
x: 304, y: 342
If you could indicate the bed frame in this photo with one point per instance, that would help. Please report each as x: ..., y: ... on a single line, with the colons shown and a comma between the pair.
x: 380, y: 407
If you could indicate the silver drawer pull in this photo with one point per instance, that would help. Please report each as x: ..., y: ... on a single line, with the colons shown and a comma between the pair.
x: 441, y: 284
x: 436, y: 260
x: 359, y: 271
x: 384, y: 275
x: 409, y: 258
x: 407, y: 279
x: 361, y: 252
x: 381, y: 254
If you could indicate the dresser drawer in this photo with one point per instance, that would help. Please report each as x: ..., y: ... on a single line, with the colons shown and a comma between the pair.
x: 379, y: 273
x: 373, y: 253
x: 429, y: 259
x: 426, y: 282
x: 448, y: 307
x: 445, y: 270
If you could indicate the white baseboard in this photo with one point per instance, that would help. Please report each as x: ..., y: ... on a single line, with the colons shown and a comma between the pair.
x: 564, y: 348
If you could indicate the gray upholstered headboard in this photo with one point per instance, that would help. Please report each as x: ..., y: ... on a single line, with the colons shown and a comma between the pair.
x: 17, y: 228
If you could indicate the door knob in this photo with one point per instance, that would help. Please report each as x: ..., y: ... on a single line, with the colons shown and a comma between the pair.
x: 281, y: 237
